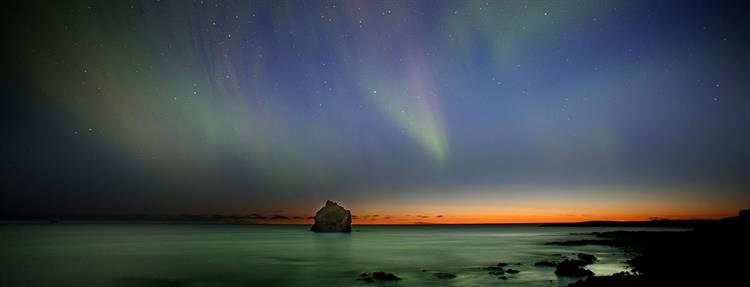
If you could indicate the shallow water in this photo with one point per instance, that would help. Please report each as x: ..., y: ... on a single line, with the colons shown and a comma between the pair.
x: 275, y: 255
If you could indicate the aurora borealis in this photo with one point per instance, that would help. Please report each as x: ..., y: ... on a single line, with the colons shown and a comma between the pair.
x: 414, y: 111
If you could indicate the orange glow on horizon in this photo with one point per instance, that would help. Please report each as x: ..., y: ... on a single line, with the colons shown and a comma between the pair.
x: 517, y: 205
x: 516, y: 218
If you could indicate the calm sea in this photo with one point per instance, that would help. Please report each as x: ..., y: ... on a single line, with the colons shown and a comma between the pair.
x: 276, y: 255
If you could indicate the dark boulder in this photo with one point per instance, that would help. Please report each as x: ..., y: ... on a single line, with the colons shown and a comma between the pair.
x: 383, y: 276
x: 377, y: 276
x: 572, y: 268
x: 332, y: 218
x: 587, y: 258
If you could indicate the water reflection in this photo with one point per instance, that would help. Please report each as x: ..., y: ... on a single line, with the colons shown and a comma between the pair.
x: 236, y: 255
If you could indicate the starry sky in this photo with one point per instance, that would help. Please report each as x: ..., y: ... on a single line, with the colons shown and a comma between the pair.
x: 403, y: 111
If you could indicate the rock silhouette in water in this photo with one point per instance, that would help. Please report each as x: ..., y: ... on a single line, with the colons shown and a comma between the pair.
x: 332, y: 218
x: 572, y: 268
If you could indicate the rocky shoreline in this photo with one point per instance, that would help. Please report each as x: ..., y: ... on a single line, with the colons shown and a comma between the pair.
x: 713, y: 254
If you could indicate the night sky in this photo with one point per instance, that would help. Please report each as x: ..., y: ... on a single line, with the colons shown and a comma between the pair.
x: 403, y: 111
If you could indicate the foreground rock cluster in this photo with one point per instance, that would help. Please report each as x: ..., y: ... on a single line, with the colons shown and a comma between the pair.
x: 381, y: 276
x: 662, y: 258
x: 500, y: 270
x: 713, y: 254
x: 571, y: 267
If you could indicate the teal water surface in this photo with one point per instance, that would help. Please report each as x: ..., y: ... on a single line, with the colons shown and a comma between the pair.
x: 278, y: 255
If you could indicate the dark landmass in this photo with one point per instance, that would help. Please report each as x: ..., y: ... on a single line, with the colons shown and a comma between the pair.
x: 688, y: 223
x: 715, y: 253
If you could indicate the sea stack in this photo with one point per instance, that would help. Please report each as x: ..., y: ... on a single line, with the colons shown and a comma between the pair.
x: 332, y: 218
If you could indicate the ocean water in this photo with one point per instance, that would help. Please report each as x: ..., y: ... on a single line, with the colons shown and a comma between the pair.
x: 286, y: 255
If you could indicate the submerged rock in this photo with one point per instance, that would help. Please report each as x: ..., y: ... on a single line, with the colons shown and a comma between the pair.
x: 512, y: 271
x: 498, y: 268
x: 332, y: 218
x: 444, y: 275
